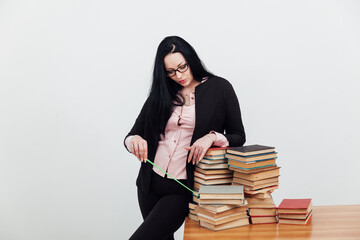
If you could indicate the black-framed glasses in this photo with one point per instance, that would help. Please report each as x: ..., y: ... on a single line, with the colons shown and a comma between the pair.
x: 181, y: 69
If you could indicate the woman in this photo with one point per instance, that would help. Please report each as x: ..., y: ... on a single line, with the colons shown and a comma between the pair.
x: 187, y: 107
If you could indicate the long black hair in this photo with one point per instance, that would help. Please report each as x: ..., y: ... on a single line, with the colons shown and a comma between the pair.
x: 164, y: 91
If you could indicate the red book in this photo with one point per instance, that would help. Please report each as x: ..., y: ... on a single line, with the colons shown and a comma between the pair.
x: 295, y: 206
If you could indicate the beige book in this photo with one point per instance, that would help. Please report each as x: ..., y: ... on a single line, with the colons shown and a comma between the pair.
x: 237, y: 223
x: 218, y: 208
x: 262, y: 220
x: 251, y: 171
x: 212, y: 176
x: 221, y: 220
x: 255, y: 183
x: 295, y: 221
x: 211, y: 214
x: 193, y: 217
x: 294, y: 216
x: 212, y: 166
x: 213, y: 171
x: 262, y: 211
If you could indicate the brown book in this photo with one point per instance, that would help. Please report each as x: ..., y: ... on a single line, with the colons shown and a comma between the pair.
x: 239, y: 202
x: 193, y: 217
x: 213, y: 161
x: 192, y: 205
x: 213, y: 151
x: 252, y: 158
x: 250, y: 150
x: 221, y: 220
x: 294, y: 206
x: 253, y: 170
x: 237, y: 223
x: 263, y: 220
x: 295, y: 221
x: 218, y: 208
x: 253, y: 200
x: 260, y: 174
x: 252, y: 164
x: 260, y: 186
x: 212, y: 166
x: 261, y: 212
x: 212, y: 181
x: 211, y: 176
x: 294, y: 216
x: 221, y: 192
x: 213, y: 171
x: 255, y: 183
x: 262, y: 190
x: 211, y: 214
x: 264, y: 195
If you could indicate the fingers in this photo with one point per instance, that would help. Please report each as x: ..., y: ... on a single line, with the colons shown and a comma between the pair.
x: 138, y: 147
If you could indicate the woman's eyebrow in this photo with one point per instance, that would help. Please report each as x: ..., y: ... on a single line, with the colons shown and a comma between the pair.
x: 177, y: 65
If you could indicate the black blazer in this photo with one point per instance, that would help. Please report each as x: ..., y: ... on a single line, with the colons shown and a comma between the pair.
x: 216, y: 108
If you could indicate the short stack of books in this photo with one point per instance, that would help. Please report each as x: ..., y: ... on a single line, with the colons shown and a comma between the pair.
x: 295, y: 211
x: 212, y: 169
x: 254, y: 167
x: 262, y: 210
x: 221, y: 207
x: 192, y: 213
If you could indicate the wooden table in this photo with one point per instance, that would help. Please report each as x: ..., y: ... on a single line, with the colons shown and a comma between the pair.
x: 328, y: 222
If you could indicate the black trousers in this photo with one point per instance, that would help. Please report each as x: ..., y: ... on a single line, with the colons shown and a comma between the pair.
x: 163, y: 209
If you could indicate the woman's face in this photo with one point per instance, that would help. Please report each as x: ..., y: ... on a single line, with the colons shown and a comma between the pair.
x: 182, y: 75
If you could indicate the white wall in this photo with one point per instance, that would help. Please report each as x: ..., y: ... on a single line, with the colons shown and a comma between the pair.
x: 74, y: 75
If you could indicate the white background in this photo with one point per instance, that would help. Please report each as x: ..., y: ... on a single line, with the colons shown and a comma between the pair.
x: 74, y: 75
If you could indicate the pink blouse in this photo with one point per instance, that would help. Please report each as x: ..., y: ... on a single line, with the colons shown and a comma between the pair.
x: 171, y: 154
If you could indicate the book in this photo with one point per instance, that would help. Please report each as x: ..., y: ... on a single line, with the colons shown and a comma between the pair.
x: 198, y: 185
x: 262, y: 211
x: 255, y: 183
x: 213, y: 151
x: 218, y: 208
x: 263, y: 195
x: 193, y: 217
x: 259, y: 174
x: 212, y: 166
x: 221, y: 192
x: 192, y: 205
x: 239, y: 202
x: 237, y: 223
x: 249, y: 169
x: 254, y: 170
x: 215, y: 215
x: 213, y: 161
x: 255, y: 164
x: 214, y: 157
x: 252, y: 158
x: 294, y: 216
x: 221, y: 220
x: 212, y: 181
x: 262, y: 220
x: 294, y: 206
x: 213, y: 171
x: 259, y: 187
x: 212, y: 176
x: 250, y: 150
x: 295, y: 221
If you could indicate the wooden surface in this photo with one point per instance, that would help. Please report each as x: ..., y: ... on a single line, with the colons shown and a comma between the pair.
x: 328, y: 222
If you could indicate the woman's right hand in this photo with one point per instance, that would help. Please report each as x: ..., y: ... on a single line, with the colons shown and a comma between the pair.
x: 138, y: 147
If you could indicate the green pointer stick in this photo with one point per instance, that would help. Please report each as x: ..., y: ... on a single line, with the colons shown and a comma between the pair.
x: 196, y: 195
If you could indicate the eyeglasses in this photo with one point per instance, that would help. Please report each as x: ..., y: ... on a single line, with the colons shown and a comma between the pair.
x: 181, y: 69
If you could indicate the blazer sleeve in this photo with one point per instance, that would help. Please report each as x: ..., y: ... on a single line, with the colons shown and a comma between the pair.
x: 139, y: 125
x: 234, y: 129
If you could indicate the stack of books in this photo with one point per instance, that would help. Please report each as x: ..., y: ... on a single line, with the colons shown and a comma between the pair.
x: 254, y: 167
x: 221, y: 207
x: 295, y: 211
x: 192, y: 213
x: 262, y: 210
x: 212, y: 169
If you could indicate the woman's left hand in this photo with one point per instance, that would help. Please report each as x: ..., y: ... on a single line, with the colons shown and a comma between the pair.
x: 200, y: 146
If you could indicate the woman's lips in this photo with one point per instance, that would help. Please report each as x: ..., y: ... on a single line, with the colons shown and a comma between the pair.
x: 182, y: 81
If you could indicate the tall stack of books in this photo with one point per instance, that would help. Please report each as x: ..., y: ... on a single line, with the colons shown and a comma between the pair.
x: 295, y: 211
x: 221, y: 207
x: 262, y: 210
x: 255, y: 168
x: 212, y: 169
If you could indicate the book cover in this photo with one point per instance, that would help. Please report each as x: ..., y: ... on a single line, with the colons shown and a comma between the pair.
x: 295, y: 203
x: 250, y: 149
